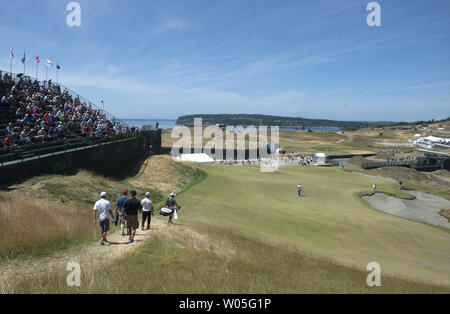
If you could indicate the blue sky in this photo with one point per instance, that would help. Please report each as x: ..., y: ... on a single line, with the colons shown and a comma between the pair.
x: 313, y: 59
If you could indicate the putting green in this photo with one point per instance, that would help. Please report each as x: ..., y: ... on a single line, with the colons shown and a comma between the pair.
x: 331, y: 221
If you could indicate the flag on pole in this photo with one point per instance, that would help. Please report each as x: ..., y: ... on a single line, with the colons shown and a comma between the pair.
x: 37, y: 65
x: 49, y: 63
x: 24, y: 58
x: 11, y: 53
x: 58, y: 67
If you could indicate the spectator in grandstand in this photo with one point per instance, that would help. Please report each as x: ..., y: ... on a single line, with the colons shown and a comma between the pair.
x: 8, y: 142
x: 45, y: 106
x: 10, y: 130
x: 24, y: 135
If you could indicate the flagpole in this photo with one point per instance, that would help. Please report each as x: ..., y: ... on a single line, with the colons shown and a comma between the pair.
x: 10, y: 67
x: 46, y: 75
x: 37, y: 65
x: 57, y: 75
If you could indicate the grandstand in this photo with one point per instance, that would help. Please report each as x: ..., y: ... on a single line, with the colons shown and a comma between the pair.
x: 40, y: 120
x: 36, y: 116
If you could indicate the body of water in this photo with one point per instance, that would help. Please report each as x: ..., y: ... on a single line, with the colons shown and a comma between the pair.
x: 163, y: 123
x: 171, y: 123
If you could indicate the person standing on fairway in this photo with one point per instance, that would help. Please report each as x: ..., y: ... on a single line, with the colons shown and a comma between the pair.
x: 130, y: 212
x: 119, y: 207
x: 374, y: 187
x: 299, y: 190
x: 147, y: 210
x: 101, y: 210
x: 171, y: 203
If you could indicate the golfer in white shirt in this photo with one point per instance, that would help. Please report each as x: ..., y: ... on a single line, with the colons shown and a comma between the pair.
x: 101, y: 210
x: 147, y: 210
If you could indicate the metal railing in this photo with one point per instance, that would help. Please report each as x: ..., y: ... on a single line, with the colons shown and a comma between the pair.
x: 371, y: 165
x: 24, y: 153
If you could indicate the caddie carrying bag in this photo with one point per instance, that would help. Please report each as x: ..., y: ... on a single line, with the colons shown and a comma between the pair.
x: 165, y: 212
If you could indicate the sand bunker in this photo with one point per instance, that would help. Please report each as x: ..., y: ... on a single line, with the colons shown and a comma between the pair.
x: 424, y: 208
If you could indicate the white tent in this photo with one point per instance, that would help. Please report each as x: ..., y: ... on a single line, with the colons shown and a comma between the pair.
x: 435, y: 139
x: 321, y: 158
x: 198, y: 158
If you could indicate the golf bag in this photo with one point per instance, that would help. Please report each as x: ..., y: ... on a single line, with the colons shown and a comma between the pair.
x: 168, y: 212
x: 165, y: 212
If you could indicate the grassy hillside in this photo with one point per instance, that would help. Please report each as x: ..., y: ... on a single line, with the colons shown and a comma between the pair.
x: 205, y: 259
x: 243, y: 231
x: 53, y: 212
x: 331, y: 221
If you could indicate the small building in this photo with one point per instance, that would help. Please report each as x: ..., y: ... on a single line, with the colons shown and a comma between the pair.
x: 321, y: 158
x: 197, y: 158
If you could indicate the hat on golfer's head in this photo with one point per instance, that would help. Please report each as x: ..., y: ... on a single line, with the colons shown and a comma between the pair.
x: 148, y: 194
x: 124, y: 192
x: 173, y: 195
x: 104, y: 194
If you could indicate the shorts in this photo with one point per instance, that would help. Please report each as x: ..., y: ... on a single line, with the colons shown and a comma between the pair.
x: 122, y: 219
x: 132, y: 222
x: 104, y: 225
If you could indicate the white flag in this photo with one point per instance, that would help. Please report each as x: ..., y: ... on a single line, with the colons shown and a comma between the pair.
x: 49, y: 63
x: 11, y: 53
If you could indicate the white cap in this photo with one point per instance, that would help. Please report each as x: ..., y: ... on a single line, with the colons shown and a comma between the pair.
x: 104, y: 194
x: 173, y: 195
x: 147, y: 194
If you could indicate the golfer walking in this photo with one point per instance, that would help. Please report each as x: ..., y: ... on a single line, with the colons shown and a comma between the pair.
x: 171, y: 203
x: 119, y: 208
x: 299, y: 190
x: 147, y: 211
x: 101, y: 210
x: 130, y: 212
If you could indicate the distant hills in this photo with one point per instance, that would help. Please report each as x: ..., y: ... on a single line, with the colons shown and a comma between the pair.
x: 266, y: 120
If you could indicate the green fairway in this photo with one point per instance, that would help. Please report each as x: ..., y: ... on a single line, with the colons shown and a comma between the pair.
x: 243, y: 231
x: 330, y: 222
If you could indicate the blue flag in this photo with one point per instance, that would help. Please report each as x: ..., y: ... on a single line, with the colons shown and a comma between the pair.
x: 24, y: 58
x: 58, y: 67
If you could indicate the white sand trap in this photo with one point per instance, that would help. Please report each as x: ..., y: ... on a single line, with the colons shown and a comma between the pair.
x: 424, y: 208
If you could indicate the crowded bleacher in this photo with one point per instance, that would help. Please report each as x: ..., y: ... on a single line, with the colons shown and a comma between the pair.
x: 35, y: 112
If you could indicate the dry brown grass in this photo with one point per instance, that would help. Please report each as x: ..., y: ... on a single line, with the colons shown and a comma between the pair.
x: 436, y: 182
x: 36, y: 227
x: 445, y: 213
x: 50, y: 212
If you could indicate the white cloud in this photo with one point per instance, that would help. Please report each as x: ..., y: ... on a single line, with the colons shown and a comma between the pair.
x: 171, y: 25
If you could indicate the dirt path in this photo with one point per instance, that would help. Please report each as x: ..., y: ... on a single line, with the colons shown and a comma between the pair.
x: 373, y: 177
x: 90, y: 256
